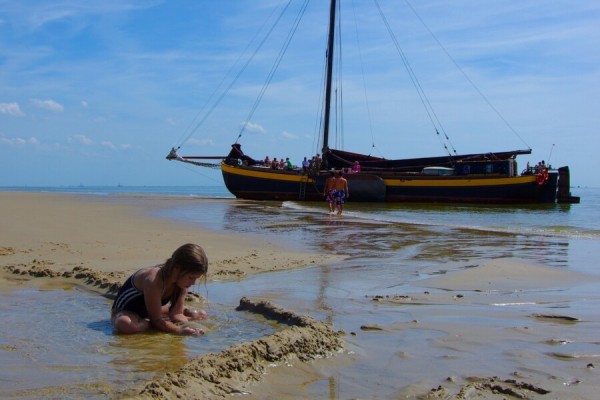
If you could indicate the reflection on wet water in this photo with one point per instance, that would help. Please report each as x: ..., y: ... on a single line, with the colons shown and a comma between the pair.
x: 64, y: 338
x: 148, y: 352
x: 389, y: 247
x: 402, y: 233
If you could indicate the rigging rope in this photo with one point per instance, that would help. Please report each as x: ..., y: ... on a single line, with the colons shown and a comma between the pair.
x: 424, y: 99
x: 465, y: 75
x: 339, y: 93
x: 278, y: 60
x: 237, y: 76
x: 364, y: 81
x: 320, y: 117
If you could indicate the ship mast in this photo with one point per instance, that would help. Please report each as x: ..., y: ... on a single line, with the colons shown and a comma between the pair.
x: 330, y: 43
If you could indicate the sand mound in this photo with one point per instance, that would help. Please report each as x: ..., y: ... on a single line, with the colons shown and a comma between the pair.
x: 110, y: 282
x: 236, y: 369
x: 488, y: 388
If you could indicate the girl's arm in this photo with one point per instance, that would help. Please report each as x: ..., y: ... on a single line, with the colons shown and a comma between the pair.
x: 194, y: 315
x: 152, y: 288
x: 177, y: 315
x: 176, y: 312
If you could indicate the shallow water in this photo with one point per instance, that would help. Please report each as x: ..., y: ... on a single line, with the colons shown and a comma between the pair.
x: 390, y: 248
x: 414, y: 235
x: 482, y: 334
x: 63, y: 338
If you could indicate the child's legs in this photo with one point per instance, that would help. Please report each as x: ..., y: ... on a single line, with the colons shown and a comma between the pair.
x: 129, y: 322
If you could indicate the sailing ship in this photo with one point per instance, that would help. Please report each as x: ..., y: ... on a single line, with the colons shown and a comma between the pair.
x: 490, y: 177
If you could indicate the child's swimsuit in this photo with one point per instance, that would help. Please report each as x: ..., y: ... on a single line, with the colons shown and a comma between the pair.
x: 330, y: 195
x: 130, y: 298
x: 340, y: 197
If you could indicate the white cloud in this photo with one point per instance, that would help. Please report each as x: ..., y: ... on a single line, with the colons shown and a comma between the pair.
x: 289, y: 135
x: 48, y: 105
x: 11, y: 109
x: 109, y: 145
x: 32, y: 141
x: 254, y: 128
x: 81, y: 139
x: 201, y: 142
x: 84, y: 104
x: 37, y: 15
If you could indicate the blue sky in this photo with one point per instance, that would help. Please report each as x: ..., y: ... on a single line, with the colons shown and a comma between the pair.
x: 96, y: 93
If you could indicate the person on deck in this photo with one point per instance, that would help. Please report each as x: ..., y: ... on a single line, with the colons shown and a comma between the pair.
x: 318, y: 162
x: 305, y: 165
x: 355, y: 167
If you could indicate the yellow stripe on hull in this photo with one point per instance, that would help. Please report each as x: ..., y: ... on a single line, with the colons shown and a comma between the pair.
x: 459, y: 181
x: 265, y: 173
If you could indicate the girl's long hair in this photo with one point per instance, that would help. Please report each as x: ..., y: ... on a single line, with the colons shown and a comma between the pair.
x: 190, y: 258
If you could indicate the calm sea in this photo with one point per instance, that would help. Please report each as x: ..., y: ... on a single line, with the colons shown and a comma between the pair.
x: 198, y: 191
x: 388, y: 247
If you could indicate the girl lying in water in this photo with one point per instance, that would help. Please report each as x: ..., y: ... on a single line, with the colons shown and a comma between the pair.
x: 154, y: 297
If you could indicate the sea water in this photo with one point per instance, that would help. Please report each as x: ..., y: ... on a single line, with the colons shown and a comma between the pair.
x: 187, y: 191
x: 388, y: 247
x: 391, y: 247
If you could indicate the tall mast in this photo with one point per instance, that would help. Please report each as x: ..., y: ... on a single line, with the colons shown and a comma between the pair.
x: 330, y: 43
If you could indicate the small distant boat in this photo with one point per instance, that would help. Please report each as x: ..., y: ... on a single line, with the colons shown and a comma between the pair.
x: 489, y: 177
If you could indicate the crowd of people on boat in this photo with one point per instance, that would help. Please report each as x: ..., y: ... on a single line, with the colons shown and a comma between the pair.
x: 355, y: 168
x: 283, y: 164
x: 306, y: 166
x: 336, y: 186
x: 540, y: 167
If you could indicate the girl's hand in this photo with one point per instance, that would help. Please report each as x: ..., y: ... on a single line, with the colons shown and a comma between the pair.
x: 191, y: 331
x: 194, y: 315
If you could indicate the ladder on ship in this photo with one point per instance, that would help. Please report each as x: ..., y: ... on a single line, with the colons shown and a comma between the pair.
x: 302, y: 194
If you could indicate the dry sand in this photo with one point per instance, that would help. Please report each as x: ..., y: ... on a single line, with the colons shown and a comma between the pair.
x: 49, y: 238
x: 62, y: 232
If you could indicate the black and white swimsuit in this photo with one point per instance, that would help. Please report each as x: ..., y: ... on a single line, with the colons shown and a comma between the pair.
x: 130, y: 298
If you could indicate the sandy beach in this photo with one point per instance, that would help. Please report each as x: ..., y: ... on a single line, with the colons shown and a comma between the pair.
x: 62, y: 232
x: 48, y: 240
x: 54, y: 239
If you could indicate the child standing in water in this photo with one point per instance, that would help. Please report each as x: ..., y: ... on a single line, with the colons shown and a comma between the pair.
x: 330, y: 192
x: 341, y: 192
x: 154, y: 296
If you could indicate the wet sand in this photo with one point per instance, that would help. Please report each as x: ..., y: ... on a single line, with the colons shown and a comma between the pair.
x: 50, y: 238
